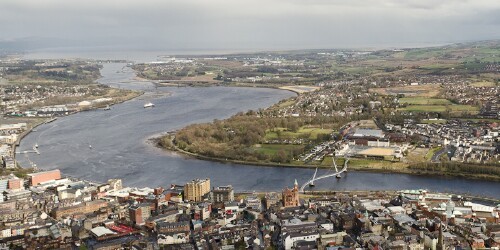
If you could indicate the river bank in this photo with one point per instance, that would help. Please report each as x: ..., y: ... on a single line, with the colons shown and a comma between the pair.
x: 406, y: 170
x: 297, y: 89
x: 131, y: 95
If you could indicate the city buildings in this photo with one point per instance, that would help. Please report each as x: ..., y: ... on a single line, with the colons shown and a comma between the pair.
x: 223, y: 194
x: 108, y: 216
x: 195, y: 190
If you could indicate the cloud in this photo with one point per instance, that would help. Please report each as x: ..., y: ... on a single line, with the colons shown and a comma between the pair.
x: 250, y: 24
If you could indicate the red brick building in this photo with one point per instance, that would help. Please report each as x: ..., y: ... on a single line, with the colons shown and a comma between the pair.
x: 37, y: 178
x: 140, y: 213
x: 16, y: 183
x: 291, y: 196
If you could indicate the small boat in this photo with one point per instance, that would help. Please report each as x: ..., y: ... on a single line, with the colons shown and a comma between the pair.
x: 338, y: 176
x: 107, y: 107
x: 149, y: 105
x: 90, y: 146
x: 36, y: 145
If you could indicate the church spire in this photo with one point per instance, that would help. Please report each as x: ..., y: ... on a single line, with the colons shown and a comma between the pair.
x: 440, y: 244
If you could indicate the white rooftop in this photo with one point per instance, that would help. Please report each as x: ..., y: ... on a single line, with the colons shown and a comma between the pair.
x: 100, y: 231
x: 360, y: 132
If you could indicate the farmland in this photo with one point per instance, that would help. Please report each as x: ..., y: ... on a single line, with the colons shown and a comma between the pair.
x: 424, y: 101
x: 410, y: 91
x: 302, y: 133
x: 442, y: 108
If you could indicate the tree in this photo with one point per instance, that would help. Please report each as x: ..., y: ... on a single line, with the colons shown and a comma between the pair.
x: 281, y: 157
x: 293, y: 126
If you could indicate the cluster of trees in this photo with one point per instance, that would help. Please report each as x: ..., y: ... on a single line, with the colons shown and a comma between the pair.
x: 235, y: 137
x: 232, y: 138
x: 75, y: 72
x: 458, y: 168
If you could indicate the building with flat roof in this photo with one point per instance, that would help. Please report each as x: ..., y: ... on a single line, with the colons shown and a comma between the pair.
x: 223, y: 194
x: 370, y: 133
x: 16, y: 183
x: 83, y: 208
x: 196, y: 189
x: 37, y: 178
x: 140, y: 213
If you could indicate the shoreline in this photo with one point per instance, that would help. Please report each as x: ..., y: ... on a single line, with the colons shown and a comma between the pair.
x: 289, y: 88
x: 407, y: 171
x: 50, y: 119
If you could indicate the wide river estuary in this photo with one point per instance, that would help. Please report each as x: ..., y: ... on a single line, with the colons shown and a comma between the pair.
x: 120, y: 149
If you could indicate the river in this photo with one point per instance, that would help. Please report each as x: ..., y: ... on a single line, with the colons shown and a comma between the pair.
x: 120, y: 149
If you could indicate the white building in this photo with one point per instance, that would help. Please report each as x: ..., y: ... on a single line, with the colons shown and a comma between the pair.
x: 290, y: 239
x: 177, y: 238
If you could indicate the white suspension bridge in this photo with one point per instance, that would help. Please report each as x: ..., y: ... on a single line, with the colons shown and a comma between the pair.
x: 327, y: 175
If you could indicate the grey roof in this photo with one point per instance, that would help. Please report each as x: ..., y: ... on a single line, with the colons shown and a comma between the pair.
x: 100, y: 231
x: 369, y: 132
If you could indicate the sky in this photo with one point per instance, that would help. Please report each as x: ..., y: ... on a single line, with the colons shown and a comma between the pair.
x: 245, y: 24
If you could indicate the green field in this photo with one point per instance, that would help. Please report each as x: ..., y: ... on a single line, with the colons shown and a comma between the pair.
x: 424, y: 53
x: 439, y: 121
x: 441, y: 108
x: 286, y: 103
x: 272, y: 149
x: 306, y: 133
x: 438, y: 66
x: 483, y: 84
x: 423, y: 101
x: 431, y: 152
x: 359, y: 162
x: 481, y: 119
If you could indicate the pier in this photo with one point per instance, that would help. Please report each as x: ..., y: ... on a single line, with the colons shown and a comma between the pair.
x: 34, y: 151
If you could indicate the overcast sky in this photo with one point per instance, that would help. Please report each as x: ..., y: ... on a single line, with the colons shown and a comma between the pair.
x: 250, y: 24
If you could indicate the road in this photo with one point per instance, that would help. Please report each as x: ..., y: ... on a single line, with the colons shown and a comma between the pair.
x: 437, y: 155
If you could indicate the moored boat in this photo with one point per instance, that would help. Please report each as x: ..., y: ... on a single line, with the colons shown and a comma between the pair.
x: 149, y: 105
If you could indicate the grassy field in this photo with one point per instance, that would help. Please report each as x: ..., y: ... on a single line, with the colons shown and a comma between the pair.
x: 362, y: 163
x: 441, y: 108
x: 417, y: 155
x: 429, y: 90
x: 423, y: 53
x: 431, y: 152
x: 376, y: 164
x: 309, y: 133
x: 367, y: 124
x: 439, y: 66
x: 285, y: 104
x: 423, y: 101
x: 483, y: 84
x: 438, y: 121
x: 481, y: 119
x: 272, y: 149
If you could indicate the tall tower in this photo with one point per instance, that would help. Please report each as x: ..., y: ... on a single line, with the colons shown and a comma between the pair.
x: 290, y: 197
x: 440, y: 245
